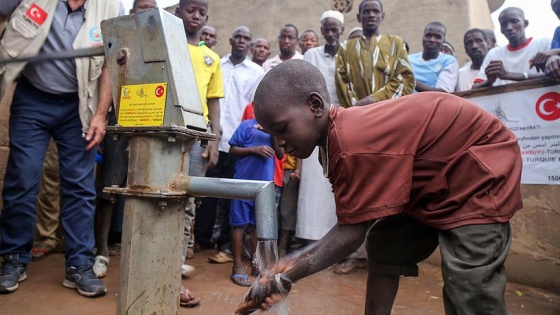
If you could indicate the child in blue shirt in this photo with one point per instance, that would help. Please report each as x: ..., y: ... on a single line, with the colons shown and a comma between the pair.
x: 255, y: 150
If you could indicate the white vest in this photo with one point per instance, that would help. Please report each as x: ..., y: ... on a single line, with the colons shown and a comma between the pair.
x: 27, y: 31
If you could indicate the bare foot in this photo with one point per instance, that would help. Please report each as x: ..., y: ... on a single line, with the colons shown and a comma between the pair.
x: 349, y: 266
x: 187, y: 298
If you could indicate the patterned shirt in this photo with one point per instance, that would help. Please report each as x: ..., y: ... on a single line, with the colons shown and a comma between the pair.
x: 380, y: 70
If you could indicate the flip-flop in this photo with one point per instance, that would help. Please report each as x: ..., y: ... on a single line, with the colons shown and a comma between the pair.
x: 41, y: 251
x: 220, y: 258
x: 241, y: 280
x: 187, y: 298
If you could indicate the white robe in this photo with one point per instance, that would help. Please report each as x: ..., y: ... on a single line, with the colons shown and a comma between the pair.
x: 316, y: 213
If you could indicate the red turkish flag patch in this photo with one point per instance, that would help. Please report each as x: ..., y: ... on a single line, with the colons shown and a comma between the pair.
x: 36, y: 14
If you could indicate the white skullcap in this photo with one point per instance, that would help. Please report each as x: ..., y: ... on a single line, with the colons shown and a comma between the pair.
x: 333, y: 14
x: 355, y: 29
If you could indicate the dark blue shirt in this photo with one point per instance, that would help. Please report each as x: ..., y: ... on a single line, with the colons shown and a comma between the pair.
x: 556, y: 39
x: 252, y: 166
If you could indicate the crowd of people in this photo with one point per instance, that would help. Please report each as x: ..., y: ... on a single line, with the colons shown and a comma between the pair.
x: 60, y: 109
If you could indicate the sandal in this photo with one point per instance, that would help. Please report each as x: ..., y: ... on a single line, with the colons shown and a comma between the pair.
x: 41, y: 251
x: 187, y: 298
x: 349, y: 266
x: 100, y: 266
x: 241, y: 280
x: 220, y: 258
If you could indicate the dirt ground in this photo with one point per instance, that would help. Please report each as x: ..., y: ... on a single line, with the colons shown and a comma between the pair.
x: 324, y: 293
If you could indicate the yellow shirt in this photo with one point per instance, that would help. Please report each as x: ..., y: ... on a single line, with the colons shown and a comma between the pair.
x: 290, y: 162
x: 208, y: 74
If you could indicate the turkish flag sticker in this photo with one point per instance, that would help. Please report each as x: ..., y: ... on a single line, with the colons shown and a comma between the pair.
x: 36, y: 14
x: 159, y: 91
x: 548, y: 106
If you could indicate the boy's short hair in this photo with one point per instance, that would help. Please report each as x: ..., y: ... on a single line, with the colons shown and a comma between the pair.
x: 291, y: 82
x: 438, y: 24
x: 183, y: 2
x: 287, y: 25
x: 361, y: 6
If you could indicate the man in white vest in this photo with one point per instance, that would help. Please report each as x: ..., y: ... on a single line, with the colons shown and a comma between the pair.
x: 67, y: 100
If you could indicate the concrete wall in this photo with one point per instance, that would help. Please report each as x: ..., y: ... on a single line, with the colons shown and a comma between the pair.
x: 534, y: 257
x: 406, y: 18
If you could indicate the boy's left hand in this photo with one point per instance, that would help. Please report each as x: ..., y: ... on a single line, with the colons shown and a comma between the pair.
x: 365, y: 101
x: 295, y: 176
x: 553, y: 68
x: 211, y: 154
x: 264, y: 151
x: 267, y: 291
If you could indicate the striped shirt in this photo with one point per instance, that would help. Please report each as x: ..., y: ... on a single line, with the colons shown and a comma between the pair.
x: 380, y: 70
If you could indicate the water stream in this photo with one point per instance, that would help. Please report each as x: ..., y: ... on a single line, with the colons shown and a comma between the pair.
x: 265, y: 258
x: 266, y: 255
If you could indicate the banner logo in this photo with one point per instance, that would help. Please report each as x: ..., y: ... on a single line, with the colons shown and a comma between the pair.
x: 95, y: 34
x: 548, y: 106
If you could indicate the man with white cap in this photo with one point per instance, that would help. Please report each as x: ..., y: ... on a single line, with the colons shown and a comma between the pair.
x: 315, y: 205
x: 355, y: 32
x: 323, y: 57
x: 374, y: 67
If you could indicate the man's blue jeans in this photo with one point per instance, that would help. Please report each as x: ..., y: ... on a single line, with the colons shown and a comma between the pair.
x: 35, y: 117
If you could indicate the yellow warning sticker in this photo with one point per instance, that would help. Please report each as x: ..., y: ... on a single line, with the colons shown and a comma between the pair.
x: 142, y: 105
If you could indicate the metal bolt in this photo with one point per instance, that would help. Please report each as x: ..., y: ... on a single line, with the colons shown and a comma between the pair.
x: 122, y: 56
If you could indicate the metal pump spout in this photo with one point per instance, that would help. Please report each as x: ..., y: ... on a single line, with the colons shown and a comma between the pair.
x: 260, y: 191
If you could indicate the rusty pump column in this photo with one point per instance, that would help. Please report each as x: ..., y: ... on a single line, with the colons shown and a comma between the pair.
x: 158, y: 107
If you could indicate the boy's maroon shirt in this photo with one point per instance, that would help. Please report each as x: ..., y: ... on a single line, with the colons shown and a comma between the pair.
x: 435, y: 156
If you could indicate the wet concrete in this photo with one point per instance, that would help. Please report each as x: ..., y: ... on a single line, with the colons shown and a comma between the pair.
x: 323, y: 293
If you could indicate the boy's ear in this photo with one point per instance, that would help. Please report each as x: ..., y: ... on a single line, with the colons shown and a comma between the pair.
x: 316, y: 104
x: 177, y: 11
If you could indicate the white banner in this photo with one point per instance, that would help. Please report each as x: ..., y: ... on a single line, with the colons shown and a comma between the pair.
x: 534, y: 116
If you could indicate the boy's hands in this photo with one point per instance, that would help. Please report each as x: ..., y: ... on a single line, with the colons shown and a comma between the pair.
x: 268, y: 290
x: 264, y: 151
x: 211, y: 154
x: 553, y: 68
x: 496, y: 69
x: 295, y: 176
